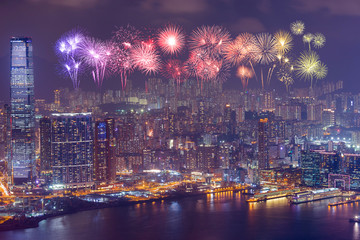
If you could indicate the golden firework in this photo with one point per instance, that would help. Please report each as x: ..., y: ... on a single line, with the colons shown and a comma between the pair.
x: 297, y: 28
x: 283, y: 41
x: 319, y: 40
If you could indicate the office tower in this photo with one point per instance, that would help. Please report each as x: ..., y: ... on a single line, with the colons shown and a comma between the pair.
x: 105, y: 145
x: 22, y: 157
x: 263, y: 151
x: 45, y: 144
x: 72, y: 150
x: 57, y: 97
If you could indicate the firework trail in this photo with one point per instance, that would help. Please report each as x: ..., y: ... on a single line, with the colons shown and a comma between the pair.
x: 264, y: 52
x: 68, y: 48
x: 96, y: 54
x: 285, y: 73
x: 175, y: 69
x: 244, y: 73
x: 124, y: 38
x: 171, y: 40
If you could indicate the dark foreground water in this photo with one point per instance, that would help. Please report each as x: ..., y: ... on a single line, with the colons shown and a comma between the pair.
x: 215, y: 216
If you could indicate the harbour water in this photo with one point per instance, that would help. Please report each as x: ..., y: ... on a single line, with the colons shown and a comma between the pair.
x: 214, y: 216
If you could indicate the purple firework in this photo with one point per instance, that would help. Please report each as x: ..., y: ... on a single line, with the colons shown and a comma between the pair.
x: 96, y: 54
x: 68, y: 48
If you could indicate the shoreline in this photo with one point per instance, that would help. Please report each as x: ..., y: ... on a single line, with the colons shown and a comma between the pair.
x: 33, y: 222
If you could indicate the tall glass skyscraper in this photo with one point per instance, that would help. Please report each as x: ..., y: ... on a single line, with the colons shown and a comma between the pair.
x: 22, y: 158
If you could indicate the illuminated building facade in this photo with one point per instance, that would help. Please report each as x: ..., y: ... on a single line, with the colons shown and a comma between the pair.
x: 45, y: 144
x: 72, y: 149
x: 263, y: 150
x: 22, y: 148
x: 105, y: 146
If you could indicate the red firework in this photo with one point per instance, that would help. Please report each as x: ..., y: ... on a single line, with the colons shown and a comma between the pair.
x: 145, y: 58
x: 244, y: 73
x: 213, y: 39
x: 175, y: 69
x: 171, y: 40
x: 240, y: 50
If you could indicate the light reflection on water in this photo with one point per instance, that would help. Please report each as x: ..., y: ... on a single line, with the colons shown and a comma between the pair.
x: 224, y: 215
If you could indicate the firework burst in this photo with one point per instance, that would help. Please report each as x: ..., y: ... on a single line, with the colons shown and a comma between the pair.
x: 175, y: 69
x: 96, y: 54
x: 283, y: 41
x: 321, y: 71
x: 171, y: 40
x: 307, y: 65
x: 318, y: 40
x: 297, y: 28
x: 244, y: 73
x: 124, y: 38
x: 212, y: 39
x: 264, y: 48
x: 145, y: 58
x: 68, y: 49
x: 240, y: 49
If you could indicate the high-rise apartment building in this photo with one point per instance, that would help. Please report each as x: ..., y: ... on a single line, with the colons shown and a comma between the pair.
x: 72, y: 150
x: 263, y: 150
x: 105, y: 146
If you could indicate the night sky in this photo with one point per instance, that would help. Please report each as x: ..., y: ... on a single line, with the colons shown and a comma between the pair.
x: 46, y: 20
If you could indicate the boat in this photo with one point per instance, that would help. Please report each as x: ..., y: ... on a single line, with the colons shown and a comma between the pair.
x: 314, y: 195
x: 355, y: 219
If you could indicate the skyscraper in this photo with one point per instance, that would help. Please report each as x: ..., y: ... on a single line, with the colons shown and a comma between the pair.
x: 22, y: 147
x: 72, y: 149
x: 105, y: 143
x: 263, y: 144
x: 45, y: 144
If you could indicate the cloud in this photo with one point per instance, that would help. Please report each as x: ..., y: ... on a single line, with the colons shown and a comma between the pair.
x: 334, y: 7
x: 69, y: 3
x: 175, y: 6
x: 248, y: 25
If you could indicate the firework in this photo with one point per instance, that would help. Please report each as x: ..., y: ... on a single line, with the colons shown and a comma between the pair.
x: 283, y: 41
x: 297, y: 28
x: 264, y: 48
x: 171, y: 40
x: 127, y: 36
x: 96, y: 54
x: 244, y: 73
x: 175, y: 69
x: 307, y: 65
x: 68, y: 48
x: 212, y: 39
x: 285, y: 73
x: 145, y: 58
x: 308, y: 37
x: 318, y: 40
x: 321, y: 71
x: 239, y: 50
x: 222, y: 71
x: 124, y: 38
